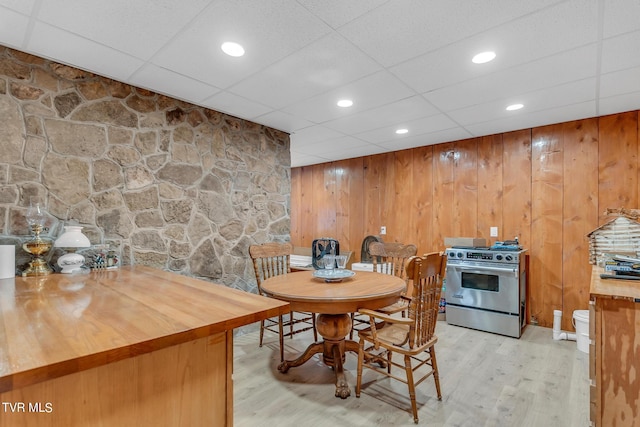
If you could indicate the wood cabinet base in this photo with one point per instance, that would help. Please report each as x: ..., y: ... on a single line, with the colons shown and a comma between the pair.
x: 184, y: 385
x: 614, y: 353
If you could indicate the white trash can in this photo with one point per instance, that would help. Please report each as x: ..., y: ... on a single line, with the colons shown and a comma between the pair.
x: 581, y: 323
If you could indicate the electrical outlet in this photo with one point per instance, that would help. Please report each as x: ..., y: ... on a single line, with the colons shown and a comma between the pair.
x: 494, y: 232
x: 383, y: 230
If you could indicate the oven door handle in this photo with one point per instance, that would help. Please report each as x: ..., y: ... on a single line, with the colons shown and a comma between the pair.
x: 482, y: 270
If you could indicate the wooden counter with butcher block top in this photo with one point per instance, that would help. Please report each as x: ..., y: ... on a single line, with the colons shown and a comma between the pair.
x: 134, y: 346
x: 614, y: 353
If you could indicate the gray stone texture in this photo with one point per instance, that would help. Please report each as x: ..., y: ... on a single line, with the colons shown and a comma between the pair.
x: 171, y: 185
x: 66, y: 103
x: 151, y: 219
x: 76, y: 139
x: 11, y: 139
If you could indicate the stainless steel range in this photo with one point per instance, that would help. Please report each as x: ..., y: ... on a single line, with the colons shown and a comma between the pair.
x: 486, y: 289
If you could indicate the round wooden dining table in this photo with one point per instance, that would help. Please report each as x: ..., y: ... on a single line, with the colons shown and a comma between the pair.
x: 333, y: 302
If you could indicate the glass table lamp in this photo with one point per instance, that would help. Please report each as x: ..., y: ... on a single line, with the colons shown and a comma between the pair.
x: 38, y: 246
x: 71, y: 240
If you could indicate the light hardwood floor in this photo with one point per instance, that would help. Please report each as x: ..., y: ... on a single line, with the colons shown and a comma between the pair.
x: 486, y: 380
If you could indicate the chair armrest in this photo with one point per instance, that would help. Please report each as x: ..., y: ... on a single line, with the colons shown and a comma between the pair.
x: 384, y: 317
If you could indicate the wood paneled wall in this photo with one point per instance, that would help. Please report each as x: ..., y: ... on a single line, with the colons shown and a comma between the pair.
x: 549, y: 186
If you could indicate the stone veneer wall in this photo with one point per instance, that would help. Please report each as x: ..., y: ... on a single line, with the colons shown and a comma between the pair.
x: 170, y: 184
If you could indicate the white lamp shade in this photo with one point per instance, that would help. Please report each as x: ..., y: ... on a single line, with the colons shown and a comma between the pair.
x: 72, y: 238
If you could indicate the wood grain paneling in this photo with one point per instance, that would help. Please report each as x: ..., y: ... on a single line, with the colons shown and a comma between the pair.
x: 388, y: 185
x: 620, y: 348
x: 550, y: 198
x: 304, y: 217
x: 579, y: 213
x: 324, y: 178
x: 374, y: 169
x: 546, y: 212
x: 613, y: 353
x: 618, y: 163
x: 422, y: 199
x: 295, y: 203
x: 516, y: 193
x: 398, y: 227
x: 186, y: 384
x: 465, y: 189
x: 516, y: 196
x: 489, y: 186
x: 349, y: 203
x: 443, y: 186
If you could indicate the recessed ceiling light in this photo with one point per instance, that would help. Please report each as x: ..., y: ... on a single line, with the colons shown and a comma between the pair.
x: 514, y: 107
x: 232, y: 49
x: 402, y: 131
x: 483, y: 57
x: 345, y: 103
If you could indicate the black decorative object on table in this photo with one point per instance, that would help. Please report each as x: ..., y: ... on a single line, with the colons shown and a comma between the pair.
x: 321, y: 247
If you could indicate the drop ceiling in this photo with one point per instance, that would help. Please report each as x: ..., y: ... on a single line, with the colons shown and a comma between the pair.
x: 405, y: 64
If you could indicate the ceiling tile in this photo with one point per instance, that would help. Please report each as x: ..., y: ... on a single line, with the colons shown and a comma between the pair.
x: 138, y: 28
x: 445, y: 135
x: 393, y: 113
x: 367, y: 93
x: 13, y: 28
x: 334, y: 145
x: 516, y: 42
x: 420, y: 126
x: 338, y: 12
x: 347, y: 152
x: 534, y: 119
x: 283, y: 121
x: 173, y: 84
x: 555, y: 70
x: 616, y: 52
x: 313, y: 135
x: 23, y: 6
x: 51, y: 42
x: 316, y: 68
x: 547, y: 98
x: 619, y: 103
x: 300, y: 159
x: 235, y: 105
x: 269, y: 31
x: 403, y: 29
x: 339, y: 148
x: 621, y: 83
x: 620, y: 16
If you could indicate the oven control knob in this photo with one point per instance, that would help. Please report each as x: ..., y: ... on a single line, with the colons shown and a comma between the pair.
x: 452, y: 254
x: 509, y: 258
x: 459, y: 254
x: 499, y: 257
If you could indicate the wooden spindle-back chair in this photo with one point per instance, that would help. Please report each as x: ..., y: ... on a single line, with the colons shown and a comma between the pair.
x: 270, y: 260
x: 389, y: 258
x: 413, y: 337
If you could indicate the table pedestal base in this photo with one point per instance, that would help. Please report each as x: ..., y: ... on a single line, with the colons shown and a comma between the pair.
x: 333, y: 328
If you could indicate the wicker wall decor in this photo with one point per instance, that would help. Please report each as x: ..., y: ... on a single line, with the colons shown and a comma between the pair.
x: 620, y: 235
